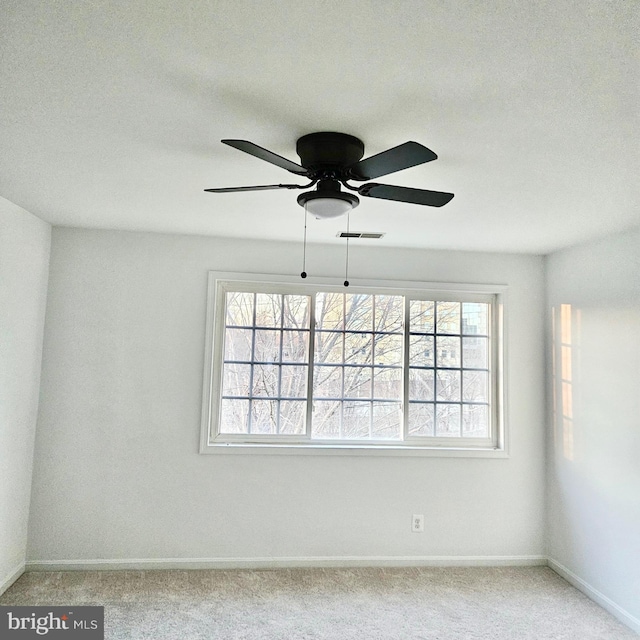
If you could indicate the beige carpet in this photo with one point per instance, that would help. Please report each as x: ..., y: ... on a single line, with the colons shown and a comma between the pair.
x: 338, y: 604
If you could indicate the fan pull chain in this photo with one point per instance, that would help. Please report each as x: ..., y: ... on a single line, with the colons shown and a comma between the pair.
x: 346, y: 266
x: 304, y: 247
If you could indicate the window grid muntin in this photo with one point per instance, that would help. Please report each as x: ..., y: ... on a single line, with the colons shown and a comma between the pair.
x: 493, y: 296
x: 253, y: 362
x: 489, y: 404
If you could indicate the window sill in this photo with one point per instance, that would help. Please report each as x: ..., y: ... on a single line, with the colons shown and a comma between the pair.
x: 350, y: 450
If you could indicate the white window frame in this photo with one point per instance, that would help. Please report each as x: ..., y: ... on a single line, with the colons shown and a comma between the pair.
x: 211, y: 442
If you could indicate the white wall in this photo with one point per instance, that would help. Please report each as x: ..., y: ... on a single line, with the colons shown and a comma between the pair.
x: 593, y: 311
x: 117, y: 473
x: 24, y: 263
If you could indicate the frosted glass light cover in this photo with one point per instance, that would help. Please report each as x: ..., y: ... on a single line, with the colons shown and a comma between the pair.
x: 322, y: 208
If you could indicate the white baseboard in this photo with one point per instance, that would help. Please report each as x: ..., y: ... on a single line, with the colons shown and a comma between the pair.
x: 606, y: 603
x: 12, y: 577
x: 139, y: 564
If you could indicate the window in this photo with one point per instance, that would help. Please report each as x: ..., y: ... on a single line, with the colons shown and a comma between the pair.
x: 392, y: 367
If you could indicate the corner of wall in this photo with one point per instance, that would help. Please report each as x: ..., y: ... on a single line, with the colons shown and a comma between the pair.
x: 25, y: 247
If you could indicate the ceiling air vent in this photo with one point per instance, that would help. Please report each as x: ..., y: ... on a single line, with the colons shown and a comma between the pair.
x: 360, y: 234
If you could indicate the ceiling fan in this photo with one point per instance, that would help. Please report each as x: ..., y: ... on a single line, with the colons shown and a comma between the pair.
x: 330, y: 160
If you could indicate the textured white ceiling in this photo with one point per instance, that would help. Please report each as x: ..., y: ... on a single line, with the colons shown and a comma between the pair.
x: 112, y: 113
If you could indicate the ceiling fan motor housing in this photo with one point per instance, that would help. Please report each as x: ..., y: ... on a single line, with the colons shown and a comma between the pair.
x: 329, y: 151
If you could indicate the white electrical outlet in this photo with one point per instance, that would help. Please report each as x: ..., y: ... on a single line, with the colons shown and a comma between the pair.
x: 417, y: 523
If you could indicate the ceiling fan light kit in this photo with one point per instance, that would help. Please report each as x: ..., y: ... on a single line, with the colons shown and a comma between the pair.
x: 327, y: 201
x: 330, y: 160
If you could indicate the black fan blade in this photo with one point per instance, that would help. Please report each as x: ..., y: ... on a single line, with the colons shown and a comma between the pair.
x: 264, y: 187
x: 401, y: 157
x: 265, y: 154
x: 405, y: 194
